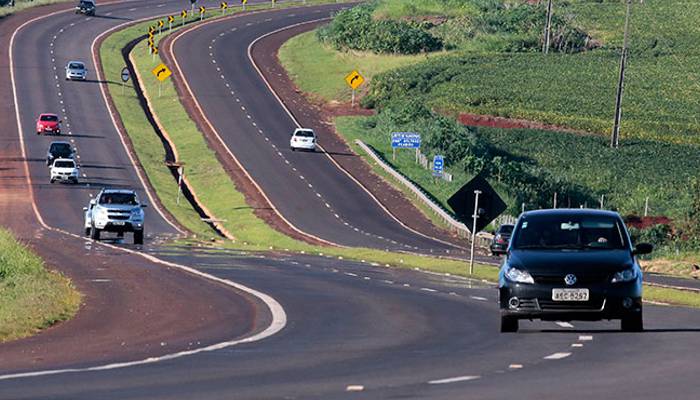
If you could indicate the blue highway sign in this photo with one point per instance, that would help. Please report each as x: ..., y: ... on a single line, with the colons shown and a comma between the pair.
x: 438, y: 165
x: 405, y: 140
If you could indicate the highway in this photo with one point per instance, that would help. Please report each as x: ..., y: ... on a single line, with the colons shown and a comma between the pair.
x: 351, y: 330
x: 309, y: 189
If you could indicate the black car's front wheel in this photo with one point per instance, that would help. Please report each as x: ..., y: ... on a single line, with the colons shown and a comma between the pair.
x: 632, y: 323
x: 509, y: 324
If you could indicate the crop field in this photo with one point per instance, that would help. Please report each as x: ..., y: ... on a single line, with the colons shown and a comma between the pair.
x: 662, y: 89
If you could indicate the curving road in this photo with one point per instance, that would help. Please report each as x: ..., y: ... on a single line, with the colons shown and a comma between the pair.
x: 353, y: 330
x: 309, y: 189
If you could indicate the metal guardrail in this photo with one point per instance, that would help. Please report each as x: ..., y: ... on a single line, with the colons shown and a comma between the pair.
x: 444, y: 215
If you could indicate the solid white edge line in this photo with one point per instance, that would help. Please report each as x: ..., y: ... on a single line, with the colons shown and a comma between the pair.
x: 325, y: 153
x: 171, y: 46
x: 455, y: 379
x: 279, y: 317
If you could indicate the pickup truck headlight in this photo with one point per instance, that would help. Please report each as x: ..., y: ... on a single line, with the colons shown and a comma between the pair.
x: 626, y: 275
x: 519, y: 276
x: 136, y: 213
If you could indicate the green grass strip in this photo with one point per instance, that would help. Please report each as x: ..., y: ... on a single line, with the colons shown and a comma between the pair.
x: 32, y: 297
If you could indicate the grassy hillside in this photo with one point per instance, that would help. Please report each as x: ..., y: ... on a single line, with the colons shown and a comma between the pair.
x: 32, y: 298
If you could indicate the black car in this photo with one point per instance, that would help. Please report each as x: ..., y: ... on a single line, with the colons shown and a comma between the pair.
x: 499, y: 244
x: 58, y: 150
x: 86, y: 7
x: 565, y: 265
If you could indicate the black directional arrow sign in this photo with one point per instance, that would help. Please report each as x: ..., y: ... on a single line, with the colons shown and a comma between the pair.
x: 490, y: 204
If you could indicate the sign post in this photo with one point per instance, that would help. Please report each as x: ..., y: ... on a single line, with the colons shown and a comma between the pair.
x: 244, y: 2
x: 125, y: 77
x: 171, y: 19
x: 404, y: 140
x: 224, y: 6
x: 183, y: 15
x: 438, y: 166
x: 192, y: 4
x: 354, y: 80
x: 475, y: 216
x: 181, y: 174
x: 476, y: 204
x: 161, y: 72
x: 160, y: 26
x: 202, y: 10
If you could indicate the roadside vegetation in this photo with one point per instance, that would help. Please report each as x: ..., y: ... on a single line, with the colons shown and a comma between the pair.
x: 573, y: 87
x: 32, y: 298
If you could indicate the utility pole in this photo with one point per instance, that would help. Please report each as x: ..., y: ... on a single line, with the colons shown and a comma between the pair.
x: 547, y: 28
x: 615, y: 140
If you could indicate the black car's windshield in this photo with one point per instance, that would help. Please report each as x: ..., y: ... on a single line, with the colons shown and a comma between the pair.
x: 567, y: 232
x: 61, y: 149
x: 118, y: 198
x: 507, y: 229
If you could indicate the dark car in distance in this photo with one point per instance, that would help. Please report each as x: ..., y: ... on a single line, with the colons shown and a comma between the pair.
x: 499, y: 244
x: 58, y: 150
x: 86, y: 7
x: 571, y: 264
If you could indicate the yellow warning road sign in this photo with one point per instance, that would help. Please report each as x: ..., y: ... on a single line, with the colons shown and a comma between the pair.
x: 202, y: 9
x: 183, y: 14
x: 354, y: 80
x: 151, y: 29
x: 224, y: 5
x: 161, y: 71
x: 155, y: 52
x: 244, y: 2
x: 161, y: 23
x: 171, y: 19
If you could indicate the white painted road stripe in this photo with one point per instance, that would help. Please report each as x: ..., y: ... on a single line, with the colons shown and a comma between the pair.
x: 354, y: 388
x: 455, y: 379
x: 564, y: 324
x: 585, y: 338
x: 478, y: 298
x: 557, y: 356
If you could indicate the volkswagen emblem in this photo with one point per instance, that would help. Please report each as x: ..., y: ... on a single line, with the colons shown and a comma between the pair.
x: 570, y: 279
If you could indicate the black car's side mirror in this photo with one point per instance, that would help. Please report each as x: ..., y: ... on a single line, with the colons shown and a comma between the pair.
x: 643, y: 248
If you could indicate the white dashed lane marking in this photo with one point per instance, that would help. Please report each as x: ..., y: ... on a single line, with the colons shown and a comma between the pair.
x: 557, y: 356
x: 455, y: 379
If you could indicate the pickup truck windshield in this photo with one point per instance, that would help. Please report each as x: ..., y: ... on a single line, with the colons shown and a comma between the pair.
x: 118, y: 198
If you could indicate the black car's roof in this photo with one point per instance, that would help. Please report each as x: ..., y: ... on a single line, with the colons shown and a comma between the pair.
x: 573, y: 212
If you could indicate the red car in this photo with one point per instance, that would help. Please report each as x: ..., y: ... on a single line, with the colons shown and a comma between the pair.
x: 48, y: 123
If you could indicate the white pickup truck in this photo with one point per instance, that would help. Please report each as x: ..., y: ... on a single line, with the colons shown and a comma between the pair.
x: 115, y: 210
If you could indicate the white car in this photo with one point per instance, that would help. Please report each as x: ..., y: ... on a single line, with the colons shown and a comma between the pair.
x: 303, y: 139
x: 76, y: 70
x: 64, y: 170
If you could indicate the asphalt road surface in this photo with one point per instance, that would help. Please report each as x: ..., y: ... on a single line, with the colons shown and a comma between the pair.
x: 353, y: 330
x: 307, y: 188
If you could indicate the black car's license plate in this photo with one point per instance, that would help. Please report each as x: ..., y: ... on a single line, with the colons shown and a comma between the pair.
x: 570, y: 294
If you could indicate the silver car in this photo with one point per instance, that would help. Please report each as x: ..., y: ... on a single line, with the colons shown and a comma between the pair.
x: 76, y: 70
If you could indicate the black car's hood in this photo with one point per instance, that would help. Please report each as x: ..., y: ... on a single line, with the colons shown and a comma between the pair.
x: 547, y: 262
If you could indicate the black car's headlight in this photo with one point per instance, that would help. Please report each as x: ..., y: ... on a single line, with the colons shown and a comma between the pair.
x: 519, y: 276
x: 626, y: 275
